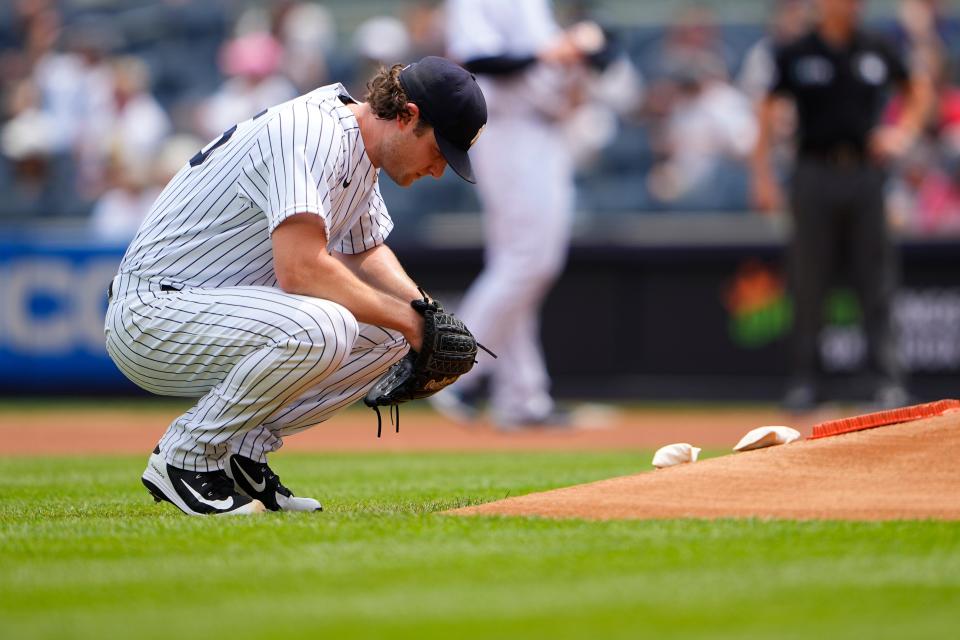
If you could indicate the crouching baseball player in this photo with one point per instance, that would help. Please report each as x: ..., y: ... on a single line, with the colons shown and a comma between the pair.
x: 260, y: 282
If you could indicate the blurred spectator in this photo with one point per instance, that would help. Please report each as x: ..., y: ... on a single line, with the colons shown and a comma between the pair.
x: 697, y: 121
x: 28, y: 142
x: 379, y: 41
x: 140, y: 124
x: 76, y: 87
x: 76, y: 83
x: 938, y: 199
x: 252, y: 63
x: 708, y: 133
x: 36, y: 31
x: 925, y: 197
x: 922, y: 31
x: 693, y: 39
x: 308, y: 35
x: 948, y: 112
x: 285, y: 47
x: 617, y: 91
x: 928, y: 55
x: 424, y: 22
x: 120, y: 210
x: 128, y: 131
x: 29, y: 131
x: 118, y: 213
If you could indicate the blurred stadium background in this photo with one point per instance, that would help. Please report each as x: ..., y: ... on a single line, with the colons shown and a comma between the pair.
x: 102, y: 100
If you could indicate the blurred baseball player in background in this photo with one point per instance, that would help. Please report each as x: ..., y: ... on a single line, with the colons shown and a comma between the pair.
x: 532, y: 73
x: 260, y: 281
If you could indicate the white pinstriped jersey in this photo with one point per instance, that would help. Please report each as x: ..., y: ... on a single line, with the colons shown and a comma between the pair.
x: 211, y: 226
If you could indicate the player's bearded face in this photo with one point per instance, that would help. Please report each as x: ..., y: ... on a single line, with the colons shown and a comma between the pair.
x: 407, y: 156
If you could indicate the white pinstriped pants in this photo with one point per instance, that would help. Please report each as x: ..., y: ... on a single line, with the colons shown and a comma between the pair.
x: 264, y: 363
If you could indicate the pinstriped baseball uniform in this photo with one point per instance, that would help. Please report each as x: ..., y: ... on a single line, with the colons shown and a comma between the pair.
x: 196, y: 309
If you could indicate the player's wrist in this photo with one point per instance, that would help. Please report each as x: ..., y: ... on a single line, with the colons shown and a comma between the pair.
x: 412, y: 327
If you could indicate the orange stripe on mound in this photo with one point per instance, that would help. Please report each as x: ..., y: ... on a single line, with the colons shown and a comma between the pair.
x: 881, y: 418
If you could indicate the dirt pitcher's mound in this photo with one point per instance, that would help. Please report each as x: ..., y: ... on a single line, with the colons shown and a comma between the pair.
x: 904, y: 471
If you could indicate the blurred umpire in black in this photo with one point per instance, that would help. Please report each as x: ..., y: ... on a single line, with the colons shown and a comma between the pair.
x: 838, y: 77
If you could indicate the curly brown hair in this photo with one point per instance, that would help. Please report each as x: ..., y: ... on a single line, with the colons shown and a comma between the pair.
x: 388, y: 100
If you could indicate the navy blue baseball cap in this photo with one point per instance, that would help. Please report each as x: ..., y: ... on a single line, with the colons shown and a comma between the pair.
x: 451, y: 102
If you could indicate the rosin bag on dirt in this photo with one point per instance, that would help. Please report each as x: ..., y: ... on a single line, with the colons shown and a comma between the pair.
x: 767, y: 437
x: 675, y: 454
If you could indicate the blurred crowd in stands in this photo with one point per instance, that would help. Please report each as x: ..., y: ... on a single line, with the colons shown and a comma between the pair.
x: 102, y: 102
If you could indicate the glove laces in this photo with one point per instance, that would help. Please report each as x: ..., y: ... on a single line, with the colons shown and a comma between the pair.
x: 394, y: 410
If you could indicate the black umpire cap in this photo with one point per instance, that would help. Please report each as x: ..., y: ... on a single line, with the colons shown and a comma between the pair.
x: 451, y: 101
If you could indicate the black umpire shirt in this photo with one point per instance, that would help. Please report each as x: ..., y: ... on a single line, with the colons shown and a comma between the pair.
x: 839, y: 92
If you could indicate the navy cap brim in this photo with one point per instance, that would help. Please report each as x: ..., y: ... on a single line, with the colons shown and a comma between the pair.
x: 457, y: 158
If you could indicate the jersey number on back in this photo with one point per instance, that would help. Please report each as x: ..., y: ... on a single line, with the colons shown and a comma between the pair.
x: 203, y: 154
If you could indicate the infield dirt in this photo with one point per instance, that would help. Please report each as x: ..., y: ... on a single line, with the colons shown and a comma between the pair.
x: 904, y: 471
x: 113, y: 429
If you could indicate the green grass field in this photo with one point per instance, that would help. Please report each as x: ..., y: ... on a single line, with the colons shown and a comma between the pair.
x: 84, y: 553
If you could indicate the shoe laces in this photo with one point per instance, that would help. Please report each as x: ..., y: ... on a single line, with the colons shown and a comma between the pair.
x: 273, y: 480
x: 214, y: 484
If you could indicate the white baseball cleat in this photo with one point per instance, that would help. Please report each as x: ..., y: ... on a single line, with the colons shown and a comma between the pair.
x: 257, y: 480
x: 196, y: 493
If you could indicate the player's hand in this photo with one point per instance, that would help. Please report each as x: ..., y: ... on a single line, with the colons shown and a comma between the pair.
x: 889, y: 143
x: 588, y: 37
x: 449, y: 350
x: 562, y: 50
x: 573, y: 45
x: 766, y: 193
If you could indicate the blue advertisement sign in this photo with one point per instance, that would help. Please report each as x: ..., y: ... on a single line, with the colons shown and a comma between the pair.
x: 53, y: 297
x: 708, y: 314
